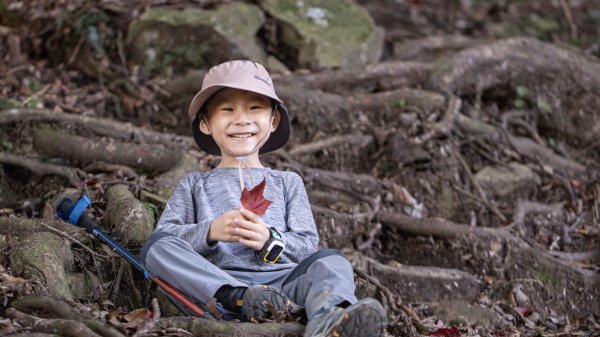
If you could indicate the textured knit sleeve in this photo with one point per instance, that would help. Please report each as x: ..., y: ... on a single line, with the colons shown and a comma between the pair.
x: 179, y: 218
x: 301, y: 239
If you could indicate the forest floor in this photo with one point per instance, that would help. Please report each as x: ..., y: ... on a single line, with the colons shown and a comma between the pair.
x: 467, y: 201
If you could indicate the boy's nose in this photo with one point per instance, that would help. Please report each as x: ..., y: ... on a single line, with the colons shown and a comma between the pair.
x: 241, y: 117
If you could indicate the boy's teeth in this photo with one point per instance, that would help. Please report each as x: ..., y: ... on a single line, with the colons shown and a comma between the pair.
x: 241, y: 135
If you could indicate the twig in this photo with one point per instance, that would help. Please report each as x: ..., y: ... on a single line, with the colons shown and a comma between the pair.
x: 117, y: 283
x: 446, y: 125
x: 569, y: 15
x: 484, y: 198
x: 416, y: 321
x: 386, y: 292
x: 63, y: 234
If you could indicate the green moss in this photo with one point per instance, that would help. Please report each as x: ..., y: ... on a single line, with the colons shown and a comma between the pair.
x: 546, y: 278
x: 173, y: 38
x: 7, y: 103
x: 445, y: 202
x: 400, y: 104
x: 337, y: 25
x: 544, y: 105
x: 539, y: 26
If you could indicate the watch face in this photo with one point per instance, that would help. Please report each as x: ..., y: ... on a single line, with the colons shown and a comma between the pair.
x: 273, y: 253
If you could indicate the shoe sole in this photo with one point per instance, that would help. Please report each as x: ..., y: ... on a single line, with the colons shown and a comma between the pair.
x: 366, y: 318
x: 263, y: 298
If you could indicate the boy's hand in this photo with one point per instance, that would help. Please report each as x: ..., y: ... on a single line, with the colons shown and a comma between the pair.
x: 252, y: 231
x: 239, y: 225
x: 223, y: 227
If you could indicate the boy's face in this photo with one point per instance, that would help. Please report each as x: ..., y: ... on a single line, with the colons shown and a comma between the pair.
x: 239, y: 120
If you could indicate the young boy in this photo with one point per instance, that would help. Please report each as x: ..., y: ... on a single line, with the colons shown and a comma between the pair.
x: 208, y: 246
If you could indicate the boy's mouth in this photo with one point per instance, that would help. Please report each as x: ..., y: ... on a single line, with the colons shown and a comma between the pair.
x: 241, y: 135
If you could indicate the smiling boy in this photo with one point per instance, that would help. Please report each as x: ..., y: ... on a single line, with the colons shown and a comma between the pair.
x: 207, y: 246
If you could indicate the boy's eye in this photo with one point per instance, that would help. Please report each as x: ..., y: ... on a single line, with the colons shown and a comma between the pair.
x: 225, y: 108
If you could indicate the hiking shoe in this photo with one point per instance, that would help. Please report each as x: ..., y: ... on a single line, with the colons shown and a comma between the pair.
x: 262, y: 301
x: 365, y: 318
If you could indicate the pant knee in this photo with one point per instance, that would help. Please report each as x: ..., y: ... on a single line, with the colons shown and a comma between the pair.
x: 150, y: 242
x: 318, y: 257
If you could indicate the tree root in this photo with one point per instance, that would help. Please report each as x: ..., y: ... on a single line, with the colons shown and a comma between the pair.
x: 316, y: 146
x: 518, y: 260
x: 550, y: 72
x: 64, y: 327
x: 43, y: 257
x: 54, y: 142
x: 212, y: 328
x: 407, y: 280
x: 378, y: 77
x: 26, y: 226
x: 47, y: 307
x: 96, y: 126
x: 132, y: 222
x: 524, y: 146
x: 73, y: 175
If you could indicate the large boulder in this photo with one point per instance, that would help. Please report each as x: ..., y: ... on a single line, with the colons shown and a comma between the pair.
x: 325, y: 33
x: 195, y: 38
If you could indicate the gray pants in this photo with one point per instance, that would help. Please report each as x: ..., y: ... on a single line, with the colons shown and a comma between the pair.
x: 321, y: 281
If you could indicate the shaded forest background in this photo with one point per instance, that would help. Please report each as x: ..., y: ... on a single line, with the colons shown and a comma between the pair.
x: 451, y: 152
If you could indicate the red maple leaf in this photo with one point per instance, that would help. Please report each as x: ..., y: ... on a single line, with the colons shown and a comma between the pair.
x: 446, y: 332
x: 254, y: 201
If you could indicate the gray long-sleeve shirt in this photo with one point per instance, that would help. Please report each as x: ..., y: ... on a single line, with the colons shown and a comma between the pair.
x: 201, y: 197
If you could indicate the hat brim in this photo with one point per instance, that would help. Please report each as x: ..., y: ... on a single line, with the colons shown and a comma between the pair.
x: 203, y: 95
x: 276, y: 140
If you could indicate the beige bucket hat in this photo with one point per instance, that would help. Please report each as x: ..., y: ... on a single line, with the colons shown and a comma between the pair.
x: 244, y: 75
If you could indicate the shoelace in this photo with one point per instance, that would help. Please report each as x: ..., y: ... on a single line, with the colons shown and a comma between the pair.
x: 242, y: 164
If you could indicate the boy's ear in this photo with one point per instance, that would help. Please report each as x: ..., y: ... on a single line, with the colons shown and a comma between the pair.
x: 204, y: 127
x: 276, y: 120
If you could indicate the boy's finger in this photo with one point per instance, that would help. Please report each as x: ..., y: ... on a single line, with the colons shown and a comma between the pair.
x: 249, y: 215
x: 251, y: 244
x: 245, y: 224
x: 246, y: 233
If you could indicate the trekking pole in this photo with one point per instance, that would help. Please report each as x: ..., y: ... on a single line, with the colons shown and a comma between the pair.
x: 74, y: 214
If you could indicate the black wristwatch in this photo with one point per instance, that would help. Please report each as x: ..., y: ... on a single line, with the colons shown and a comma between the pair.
x: 272, y: 249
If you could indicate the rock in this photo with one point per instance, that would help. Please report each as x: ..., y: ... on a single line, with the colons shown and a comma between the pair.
x: 317, y: 33
x: 502, y: 181
x: 133, y: 222
x: 477, y: 315
x: 195, y: 38
x: 83, y: 285
x: 404, y: 152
